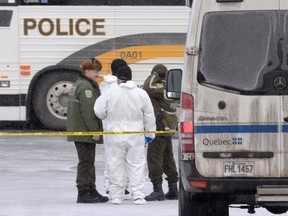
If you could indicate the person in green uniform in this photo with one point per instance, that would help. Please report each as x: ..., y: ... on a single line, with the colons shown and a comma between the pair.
x: 81, y: 118
x: 160, y: 158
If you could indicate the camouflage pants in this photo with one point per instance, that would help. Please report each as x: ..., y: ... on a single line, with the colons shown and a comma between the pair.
x: 160, y: 159
x: 86, y: 177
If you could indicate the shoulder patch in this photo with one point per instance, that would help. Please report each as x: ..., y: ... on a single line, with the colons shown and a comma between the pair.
x: 88, y: 93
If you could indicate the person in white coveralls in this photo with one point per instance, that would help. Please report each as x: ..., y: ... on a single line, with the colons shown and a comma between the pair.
x: 110, y: 81
x: 126, y: 107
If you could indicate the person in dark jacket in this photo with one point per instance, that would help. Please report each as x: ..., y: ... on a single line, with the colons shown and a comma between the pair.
x: 81, y: 118
x: 160, y: 158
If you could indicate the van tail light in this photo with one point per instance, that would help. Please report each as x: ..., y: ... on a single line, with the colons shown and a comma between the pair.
x: 187, y: 123
x: 198, y: 184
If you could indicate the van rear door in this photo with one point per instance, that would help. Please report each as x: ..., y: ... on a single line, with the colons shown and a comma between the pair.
x: 238, y: 108
x: 281, y: 82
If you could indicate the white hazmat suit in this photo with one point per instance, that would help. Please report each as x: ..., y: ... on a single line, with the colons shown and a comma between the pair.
x: 109, y: 82
x: 126, y: 108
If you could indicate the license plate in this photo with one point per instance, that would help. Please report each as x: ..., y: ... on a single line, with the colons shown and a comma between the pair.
x: 238, y: 169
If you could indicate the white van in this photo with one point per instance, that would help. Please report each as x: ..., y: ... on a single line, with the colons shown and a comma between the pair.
x: 234, y: 107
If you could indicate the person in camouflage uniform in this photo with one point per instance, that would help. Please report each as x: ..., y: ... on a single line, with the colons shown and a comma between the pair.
x: 160, y: 158
x: 81, y: 118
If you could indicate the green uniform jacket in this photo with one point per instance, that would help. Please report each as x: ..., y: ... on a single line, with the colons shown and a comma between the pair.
x: 164, y: 109
x: 80, y: 114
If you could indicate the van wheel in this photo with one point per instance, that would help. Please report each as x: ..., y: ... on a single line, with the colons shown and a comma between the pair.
x: 50, y: 98
x: 201, y: 205
x: 218, y: 207
x: 205, y: 206
x: 189, y: 206
x: 184, y: 202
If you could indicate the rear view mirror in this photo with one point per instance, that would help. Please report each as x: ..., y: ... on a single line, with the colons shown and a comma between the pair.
x: 173, y: 84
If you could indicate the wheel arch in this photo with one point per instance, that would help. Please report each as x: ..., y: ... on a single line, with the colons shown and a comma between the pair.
x: 38, y: 76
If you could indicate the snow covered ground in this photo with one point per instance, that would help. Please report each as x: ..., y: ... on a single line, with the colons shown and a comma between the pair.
x: 37, y: 178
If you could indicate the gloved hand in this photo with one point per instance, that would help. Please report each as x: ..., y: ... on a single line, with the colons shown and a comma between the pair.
x: 148, y: 140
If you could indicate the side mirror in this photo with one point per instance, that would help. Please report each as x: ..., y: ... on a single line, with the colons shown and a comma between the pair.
x: 173, y: 84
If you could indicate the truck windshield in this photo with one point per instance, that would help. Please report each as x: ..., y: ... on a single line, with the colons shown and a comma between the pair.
x: 240, y: 50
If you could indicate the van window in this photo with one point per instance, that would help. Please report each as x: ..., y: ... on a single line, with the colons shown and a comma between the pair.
x: 238, y: 48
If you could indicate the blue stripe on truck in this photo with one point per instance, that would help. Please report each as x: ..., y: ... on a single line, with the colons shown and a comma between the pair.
x: 240, y: 129
x: 285, y: 128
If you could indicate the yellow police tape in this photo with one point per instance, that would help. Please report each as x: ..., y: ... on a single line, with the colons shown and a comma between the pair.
x: 53, y: 133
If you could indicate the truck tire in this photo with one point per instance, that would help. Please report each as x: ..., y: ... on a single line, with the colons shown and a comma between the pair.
x: 50, y: 98
x: 277, y: 210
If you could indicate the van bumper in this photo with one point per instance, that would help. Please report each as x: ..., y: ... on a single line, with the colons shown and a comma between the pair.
x: 236, y: 189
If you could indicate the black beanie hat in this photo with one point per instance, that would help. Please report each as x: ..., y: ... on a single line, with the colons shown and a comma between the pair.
x: 116, y: 63
x: 124, y: 73
x: 160, y: 69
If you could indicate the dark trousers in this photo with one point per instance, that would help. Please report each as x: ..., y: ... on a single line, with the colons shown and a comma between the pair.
x: 86, y: 177
x: 160, y: 159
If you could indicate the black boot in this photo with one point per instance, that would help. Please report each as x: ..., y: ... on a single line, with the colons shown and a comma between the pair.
x: 97, y: 195
x: 157, y: 193
x: 90, y: 196
x: 86, y: 197
x: 173, y: 191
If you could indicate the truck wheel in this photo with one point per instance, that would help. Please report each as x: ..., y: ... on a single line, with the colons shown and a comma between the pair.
x: 277, y: 210
x: 50, y: 98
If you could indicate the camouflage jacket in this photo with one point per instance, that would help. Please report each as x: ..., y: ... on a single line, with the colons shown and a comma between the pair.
x: 164, y: 109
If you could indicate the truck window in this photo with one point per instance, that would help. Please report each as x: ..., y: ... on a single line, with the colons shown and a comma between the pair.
x: 5, y: 18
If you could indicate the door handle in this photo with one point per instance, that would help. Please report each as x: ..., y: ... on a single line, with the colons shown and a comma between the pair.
x: 286, y: 119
